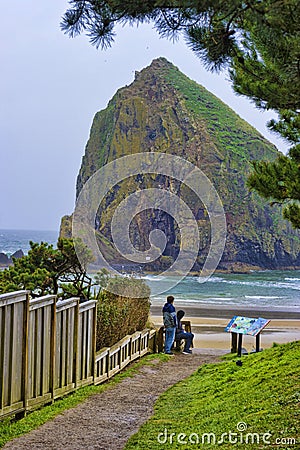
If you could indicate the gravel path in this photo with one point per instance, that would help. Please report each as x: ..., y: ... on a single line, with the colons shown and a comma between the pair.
x: 105, y: 421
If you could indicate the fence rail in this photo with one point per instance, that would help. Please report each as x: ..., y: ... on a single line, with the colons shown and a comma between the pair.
x: 48, y: 349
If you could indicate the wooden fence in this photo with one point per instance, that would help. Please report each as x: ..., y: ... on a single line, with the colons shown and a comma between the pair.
x: 48, y: 349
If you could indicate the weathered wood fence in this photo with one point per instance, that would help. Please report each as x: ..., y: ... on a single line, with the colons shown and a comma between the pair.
x: 48, y: 349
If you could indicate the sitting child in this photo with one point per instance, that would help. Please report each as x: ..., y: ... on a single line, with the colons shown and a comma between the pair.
x: 181, y: 334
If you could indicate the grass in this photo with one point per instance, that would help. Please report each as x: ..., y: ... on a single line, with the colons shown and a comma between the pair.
x: 229, y: 403
x: 232, y: 134
x: 11, y: 428
x: 258, y: 401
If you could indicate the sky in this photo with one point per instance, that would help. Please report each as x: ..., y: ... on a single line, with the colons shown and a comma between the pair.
x: 52, y: 86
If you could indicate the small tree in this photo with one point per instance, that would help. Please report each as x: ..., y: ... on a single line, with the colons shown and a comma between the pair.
x: 46, y: 270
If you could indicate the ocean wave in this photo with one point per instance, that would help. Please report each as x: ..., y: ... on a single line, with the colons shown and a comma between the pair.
x: 263, y: 297
x: 249, y: 283
x: 287, y: 285
x: 215, y: 280
x: 153, y: 278
x: 200, y: 302
x: 8, y: 252
x: 277, y: 303
x: 264, y: 284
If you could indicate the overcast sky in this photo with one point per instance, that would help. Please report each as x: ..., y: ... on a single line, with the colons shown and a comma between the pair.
x: 52, y: 86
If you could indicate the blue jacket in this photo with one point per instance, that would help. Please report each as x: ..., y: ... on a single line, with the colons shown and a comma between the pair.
x: 169, y: 315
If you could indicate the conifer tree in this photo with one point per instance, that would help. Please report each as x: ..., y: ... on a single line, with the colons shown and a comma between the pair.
x: 46, y: 270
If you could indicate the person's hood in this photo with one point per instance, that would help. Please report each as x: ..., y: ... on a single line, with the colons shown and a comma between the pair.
x: 168, y: 307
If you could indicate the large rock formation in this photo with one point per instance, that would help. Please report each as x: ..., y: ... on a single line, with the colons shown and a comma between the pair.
x: 164, y: 111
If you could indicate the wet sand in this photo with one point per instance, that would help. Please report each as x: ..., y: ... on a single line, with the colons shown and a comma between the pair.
x: 208, y: 325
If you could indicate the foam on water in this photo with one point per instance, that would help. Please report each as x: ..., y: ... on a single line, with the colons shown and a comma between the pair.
x: 262, y: 297
x: 277, y: 289
x: 152, y: 278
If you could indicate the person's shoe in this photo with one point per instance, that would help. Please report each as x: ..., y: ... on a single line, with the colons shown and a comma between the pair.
x: 187, y: 352
x: 169, y: 353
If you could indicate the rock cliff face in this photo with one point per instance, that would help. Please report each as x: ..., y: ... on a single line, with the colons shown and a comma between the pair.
x: 164, y: 111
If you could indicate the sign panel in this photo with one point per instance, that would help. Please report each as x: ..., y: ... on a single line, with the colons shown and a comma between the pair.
x: 246, y: 325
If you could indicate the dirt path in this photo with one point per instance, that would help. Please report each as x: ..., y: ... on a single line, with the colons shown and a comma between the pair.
x: 106, y: 420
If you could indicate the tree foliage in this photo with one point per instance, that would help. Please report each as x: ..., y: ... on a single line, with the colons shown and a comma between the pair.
x: 46, y: 270
x: 279, y: 181
x: 258, y: 41
x: 121, y: 314
x: 123, y: 304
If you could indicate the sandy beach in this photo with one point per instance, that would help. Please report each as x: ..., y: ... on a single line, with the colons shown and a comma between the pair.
x: 208, y: 325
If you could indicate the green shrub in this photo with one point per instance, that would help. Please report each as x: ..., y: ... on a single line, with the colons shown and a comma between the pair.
x: 123, y: 308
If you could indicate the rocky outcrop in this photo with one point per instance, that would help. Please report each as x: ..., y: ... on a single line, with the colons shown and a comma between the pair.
x: 4, y: 260
x: 165, y: 111
x: 8, y: 260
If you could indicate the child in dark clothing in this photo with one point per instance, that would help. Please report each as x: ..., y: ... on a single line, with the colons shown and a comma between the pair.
x: 181, y: 334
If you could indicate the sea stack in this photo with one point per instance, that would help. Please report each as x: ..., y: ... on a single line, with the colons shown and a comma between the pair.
x: 162, y: 110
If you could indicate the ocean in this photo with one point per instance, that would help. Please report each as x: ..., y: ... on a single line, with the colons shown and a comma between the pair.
x: 277, y: 289
x: 13, y: 240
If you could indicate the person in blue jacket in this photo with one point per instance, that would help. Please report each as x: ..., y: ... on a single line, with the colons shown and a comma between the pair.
x: 170, y: 322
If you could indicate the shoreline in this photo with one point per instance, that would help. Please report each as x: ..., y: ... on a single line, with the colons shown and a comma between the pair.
x: 208, y: 324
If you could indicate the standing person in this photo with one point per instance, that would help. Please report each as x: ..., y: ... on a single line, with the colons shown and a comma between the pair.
x: 181, y: 334
x: 169, y: 317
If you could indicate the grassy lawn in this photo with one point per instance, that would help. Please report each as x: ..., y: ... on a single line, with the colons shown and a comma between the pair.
x: 11, y: 428
x: 253, y: 406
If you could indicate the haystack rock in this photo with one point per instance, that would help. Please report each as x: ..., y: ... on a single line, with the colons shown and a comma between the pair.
x: 164, y: 111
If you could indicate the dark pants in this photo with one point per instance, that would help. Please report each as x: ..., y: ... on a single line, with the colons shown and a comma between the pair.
x: 188, y: 337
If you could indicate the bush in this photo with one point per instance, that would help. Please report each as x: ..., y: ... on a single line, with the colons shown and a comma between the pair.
x: 120, y: 315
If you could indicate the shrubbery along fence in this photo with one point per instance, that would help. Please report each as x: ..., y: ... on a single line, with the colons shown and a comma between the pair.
x: 48, y: 349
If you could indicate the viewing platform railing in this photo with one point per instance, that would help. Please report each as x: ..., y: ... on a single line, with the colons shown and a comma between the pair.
x: 48, y: 349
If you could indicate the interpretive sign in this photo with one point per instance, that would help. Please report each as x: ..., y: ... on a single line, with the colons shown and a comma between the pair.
x: 240, y: 325
x: 246, y: 325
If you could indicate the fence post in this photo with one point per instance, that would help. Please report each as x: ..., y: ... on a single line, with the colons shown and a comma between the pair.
x: 25, y: 356
x: 76, y: 321
x: 160, y: 340
x: 53, y: 348
x: 94, y: 337
x: 152, y: 343
x: 13, y: 352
